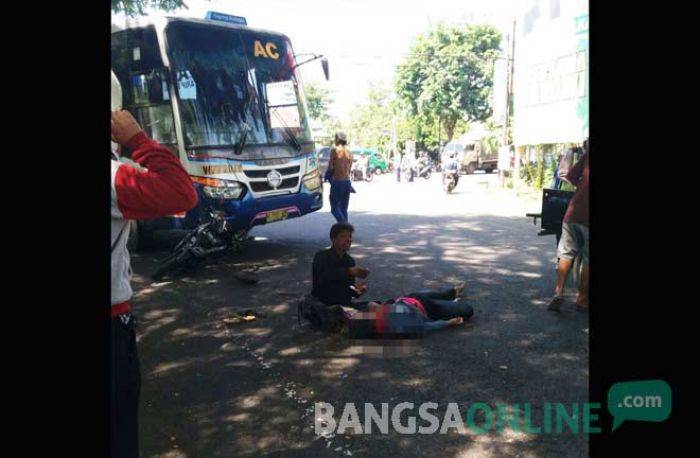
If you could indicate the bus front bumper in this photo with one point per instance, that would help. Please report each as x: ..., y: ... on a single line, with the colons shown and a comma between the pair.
x: 244, y: 213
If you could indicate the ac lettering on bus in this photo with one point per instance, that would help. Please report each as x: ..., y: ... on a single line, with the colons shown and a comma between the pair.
x: 269, y: 51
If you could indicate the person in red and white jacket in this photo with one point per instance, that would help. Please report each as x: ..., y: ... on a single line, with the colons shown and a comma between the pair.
x: 162, y: 188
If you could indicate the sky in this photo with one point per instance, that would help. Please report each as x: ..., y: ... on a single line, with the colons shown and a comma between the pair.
x: 364, y: 40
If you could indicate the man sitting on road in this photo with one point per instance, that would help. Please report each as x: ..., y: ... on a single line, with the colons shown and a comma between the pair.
x: 334, y: 270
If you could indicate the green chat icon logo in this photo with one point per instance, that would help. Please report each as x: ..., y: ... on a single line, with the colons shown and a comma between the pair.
x: 648, y: 400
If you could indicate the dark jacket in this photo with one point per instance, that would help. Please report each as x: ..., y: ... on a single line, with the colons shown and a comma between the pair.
x: 331, y: 282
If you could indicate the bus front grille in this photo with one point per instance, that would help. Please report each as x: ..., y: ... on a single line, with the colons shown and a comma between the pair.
x: 264, y: 186
x: 263, y: 173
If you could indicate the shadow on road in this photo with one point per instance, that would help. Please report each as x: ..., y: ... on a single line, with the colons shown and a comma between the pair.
x: 212, y: 390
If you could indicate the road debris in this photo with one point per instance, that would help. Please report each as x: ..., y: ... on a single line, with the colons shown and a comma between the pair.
x: 245, y: 316
x: 246, y: 277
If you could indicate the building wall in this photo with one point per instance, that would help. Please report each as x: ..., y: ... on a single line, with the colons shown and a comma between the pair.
x: 550, y: 80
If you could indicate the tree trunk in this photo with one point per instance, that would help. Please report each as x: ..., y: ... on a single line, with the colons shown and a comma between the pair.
x: 450, y: 128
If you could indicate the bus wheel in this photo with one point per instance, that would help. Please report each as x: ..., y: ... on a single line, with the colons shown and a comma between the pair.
x: 240, y: 238
x: 471, y: 168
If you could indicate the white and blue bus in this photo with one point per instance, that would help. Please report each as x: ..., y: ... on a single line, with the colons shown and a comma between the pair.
x: 228, y: 100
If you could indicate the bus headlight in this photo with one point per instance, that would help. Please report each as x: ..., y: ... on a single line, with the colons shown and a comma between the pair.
x: 312, y: 163
x: 232, y: 190
x: 312, y: 181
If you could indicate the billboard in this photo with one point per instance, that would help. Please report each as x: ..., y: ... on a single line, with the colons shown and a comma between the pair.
x: 550, y: 82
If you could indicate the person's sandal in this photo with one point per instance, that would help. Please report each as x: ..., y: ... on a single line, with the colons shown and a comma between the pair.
x: 583, y: 307
x: 555, y: 304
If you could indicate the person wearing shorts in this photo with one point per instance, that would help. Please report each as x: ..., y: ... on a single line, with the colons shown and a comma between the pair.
x: 574, y: 240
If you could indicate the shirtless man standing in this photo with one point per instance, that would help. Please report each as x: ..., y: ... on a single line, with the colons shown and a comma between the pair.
x: 341, y: 163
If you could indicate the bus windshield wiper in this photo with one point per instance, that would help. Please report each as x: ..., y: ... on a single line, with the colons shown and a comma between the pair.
x: 245, y: 128
x: 291, y: 138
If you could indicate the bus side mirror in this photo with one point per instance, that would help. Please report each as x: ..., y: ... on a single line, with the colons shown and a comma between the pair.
x: 324, y: 65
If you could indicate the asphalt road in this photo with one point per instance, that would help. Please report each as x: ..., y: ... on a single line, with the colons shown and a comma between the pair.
x: 248, y: 390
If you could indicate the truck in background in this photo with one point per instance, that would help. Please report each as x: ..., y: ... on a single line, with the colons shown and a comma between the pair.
x: 471, y: 156
x: 471, y: 153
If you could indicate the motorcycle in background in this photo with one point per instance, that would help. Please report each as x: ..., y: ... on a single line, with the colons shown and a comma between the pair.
x: 357, y: 172
x: 360, y: 170
x: 449, y: 180
x: 369, y: 174
x: 425, y: 169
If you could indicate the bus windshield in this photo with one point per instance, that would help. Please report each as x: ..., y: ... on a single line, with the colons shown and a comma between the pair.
x: 227, y: 78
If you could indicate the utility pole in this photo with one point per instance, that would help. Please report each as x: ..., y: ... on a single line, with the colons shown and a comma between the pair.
x: 509, y: 85
x: 509, y: 91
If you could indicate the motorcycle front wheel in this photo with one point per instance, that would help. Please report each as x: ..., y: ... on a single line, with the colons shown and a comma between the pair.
x: 448, y: 186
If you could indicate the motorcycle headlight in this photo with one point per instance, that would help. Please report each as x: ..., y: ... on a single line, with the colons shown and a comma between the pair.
x: 312, y: 181
x: 227, y: 190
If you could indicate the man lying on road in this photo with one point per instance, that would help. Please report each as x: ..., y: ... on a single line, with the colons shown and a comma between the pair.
x: 410, y: 316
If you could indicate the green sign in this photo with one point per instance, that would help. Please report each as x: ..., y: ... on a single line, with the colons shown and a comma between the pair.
x: 648, y: 400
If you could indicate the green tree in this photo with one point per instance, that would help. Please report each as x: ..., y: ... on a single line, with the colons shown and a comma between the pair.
x: 492, y: 140
x: 378, y: 120
x: 318, y: 99
x: 137, y: 7
x: 332, y: 125
x: 448, y: 76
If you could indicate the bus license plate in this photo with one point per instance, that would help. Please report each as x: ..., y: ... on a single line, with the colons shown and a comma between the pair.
x: 276, y: 215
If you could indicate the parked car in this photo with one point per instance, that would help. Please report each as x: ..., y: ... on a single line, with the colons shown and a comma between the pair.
x: 324, y: 155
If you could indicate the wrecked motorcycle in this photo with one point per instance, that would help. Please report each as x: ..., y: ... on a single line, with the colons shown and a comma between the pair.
x: 205, y: 240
